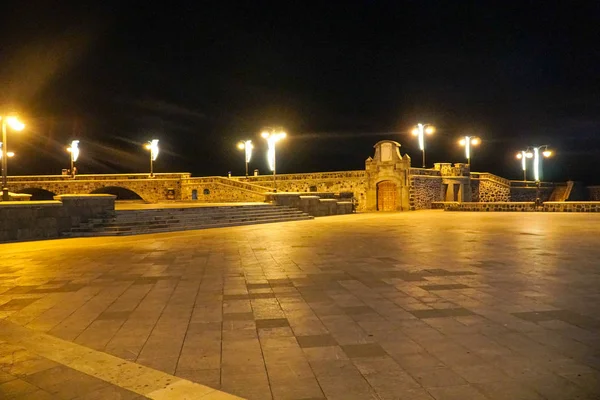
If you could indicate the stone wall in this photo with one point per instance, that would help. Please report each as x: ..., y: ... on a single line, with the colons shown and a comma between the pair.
x: 215, y: 191
x: 529, y: 193
x: 35, y: 220
x: 337, y: 182
x: 318, y: 205
x: 572, y: 206
x: 151, y: 190
x: 593, y: 193
x: 497, y: 206
x: 423, y: 190
x: 489, y: 188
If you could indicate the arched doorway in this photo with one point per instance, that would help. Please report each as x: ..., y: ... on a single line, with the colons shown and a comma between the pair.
x: 387, y: 196
x: 38, y: 194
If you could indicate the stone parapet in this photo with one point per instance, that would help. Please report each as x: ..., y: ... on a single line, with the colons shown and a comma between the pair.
x: 572, y: 206
x: 489, y: 206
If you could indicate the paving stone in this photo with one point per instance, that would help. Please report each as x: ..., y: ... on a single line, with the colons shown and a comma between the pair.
x: 315, y: 341
x: 441, y: 313
x: 451, y: 286
x: 247, y: 316
x: 17, y: 304
x: 271, y: 323
x: 358, y: 310
x: 111, y: 315
x: 364, y: 350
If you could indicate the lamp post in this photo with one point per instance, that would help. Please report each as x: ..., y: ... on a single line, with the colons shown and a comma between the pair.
x: 469, y: 141
x: 152, y: 145
x: 273, y: 135
x: 247, y: 146
x: 420, y: 131
x: 74, y: 151
x: 537, y: 160
x: 15, y: 124
x: 523, y: 155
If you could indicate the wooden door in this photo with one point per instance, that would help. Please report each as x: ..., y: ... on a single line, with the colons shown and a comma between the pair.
x: 386, y: 196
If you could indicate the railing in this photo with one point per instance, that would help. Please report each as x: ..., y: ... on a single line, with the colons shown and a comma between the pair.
x: 97, y: 177
x: 424, y: 171
x: 491, y: 177
x: 308, y: 175
x: 532, y: 184
x: 231, y: 182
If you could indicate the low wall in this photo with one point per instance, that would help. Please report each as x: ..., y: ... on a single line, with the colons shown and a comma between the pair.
x: 497, y: 206
x: 318, y: 182
x: 572, y: 206
x: 34, y: 220
x: 312, y: 204
x: 528, y: 193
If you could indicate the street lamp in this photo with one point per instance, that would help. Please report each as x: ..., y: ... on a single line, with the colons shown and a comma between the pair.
x: 523, y: 155
x: 537, y: 161
x: 469, y: 141
x: 246, y: 145
x: 420, y: 131
x: 152, y: 145
x: 74, y: 150
x: 15, y: 124
x: 273, y: 135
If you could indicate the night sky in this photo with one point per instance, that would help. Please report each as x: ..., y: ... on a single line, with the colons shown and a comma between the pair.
x: 338, y: 75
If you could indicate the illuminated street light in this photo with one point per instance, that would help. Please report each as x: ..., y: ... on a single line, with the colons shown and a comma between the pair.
x: 74, y: 151
x: 273, y: 135
x: 523, y: 155
x: 537, y: 160
x: 246, y: 145
x: 469, y: 141
x: 15, y: 124
x: 152, y: 145
x: 420, y: 131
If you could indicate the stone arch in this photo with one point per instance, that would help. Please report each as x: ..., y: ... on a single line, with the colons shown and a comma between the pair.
x: 119, y: 191
x: 38, y: 194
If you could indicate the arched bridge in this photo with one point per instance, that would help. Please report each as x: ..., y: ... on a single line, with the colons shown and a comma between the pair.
x: 125, y: 186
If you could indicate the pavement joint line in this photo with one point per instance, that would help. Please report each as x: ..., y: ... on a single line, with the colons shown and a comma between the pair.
x: 145, y: 381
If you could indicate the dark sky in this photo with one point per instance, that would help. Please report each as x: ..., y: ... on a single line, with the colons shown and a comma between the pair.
x: 338, y: 75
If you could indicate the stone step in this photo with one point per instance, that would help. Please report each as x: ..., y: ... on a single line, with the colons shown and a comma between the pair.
x: 182, y: 228
x: 183, y: 223
x: 187, y: 218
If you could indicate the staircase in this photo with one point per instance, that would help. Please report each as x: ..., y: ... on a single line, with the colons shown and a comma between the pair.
x: 561, y: 192
x: 135, y: 222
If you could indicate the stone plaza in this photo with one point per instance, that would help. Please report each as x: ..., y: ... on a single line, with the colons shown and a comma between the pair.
x: 424, y: 305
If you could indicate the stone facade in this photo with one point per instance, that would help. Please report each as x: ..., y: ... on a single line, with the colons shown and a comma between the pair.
x: 390, y: 167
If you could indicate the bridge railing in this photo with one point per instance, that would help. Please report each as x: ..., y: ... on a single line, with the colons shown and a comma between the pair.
x: 230, y: 182
x: 490, y: 177
x: 97, y: 177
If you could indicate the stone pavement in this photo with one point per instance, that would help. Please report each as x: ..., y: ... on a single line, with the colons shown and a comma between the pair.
x: 416, y: 305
